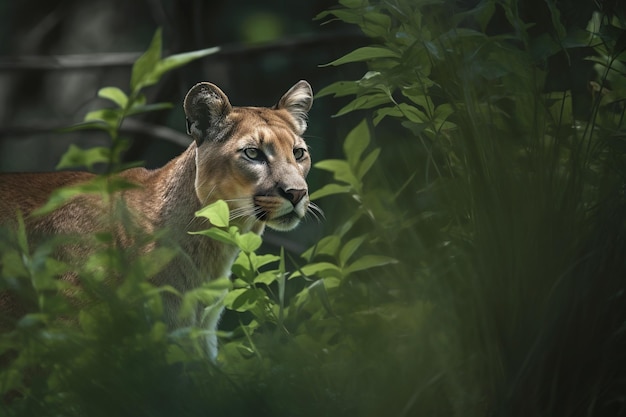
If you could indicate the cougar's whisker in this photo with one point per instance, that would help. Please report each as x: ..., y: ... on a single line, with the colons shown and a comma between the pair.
x: 315, y: 209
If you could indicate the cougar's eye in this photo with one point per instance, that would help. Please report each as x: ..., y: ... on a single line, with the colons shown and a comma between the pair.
x: 298, y: 153
x: 253, y: 153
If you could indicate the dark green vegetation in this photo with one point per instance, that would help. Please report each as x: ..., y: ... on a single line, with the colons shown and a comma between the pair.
x: 477, y: 265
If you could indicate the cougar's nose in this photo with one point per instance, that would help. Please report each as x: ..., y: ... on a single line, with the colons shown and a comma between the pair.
x: 293, y: 195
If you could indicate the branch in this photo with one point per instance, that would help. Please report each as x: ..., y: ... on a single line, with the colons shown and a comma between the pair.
x: 129, y: 126
x: 133, y: 126
x: 68, y: 62
x: 123, y: 59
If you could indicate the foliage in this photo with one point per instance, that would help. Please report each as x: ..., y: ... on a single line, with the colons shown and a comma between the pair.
x: 508, y: 192
x: 477, y: 268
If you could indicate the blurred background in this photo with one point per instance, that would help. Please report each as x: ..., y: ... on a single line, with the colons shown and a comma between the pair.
x: 55, y: 55
x: 504, y: 205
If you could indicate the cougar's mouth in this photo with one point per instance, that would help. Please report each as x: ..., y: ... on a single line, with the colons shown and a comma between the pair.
x: 278, y: 213
x: 285, y: 222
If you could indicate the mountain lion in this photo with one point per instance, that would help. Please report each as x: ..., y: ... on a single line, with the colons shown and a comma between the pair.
x: 254, y: 158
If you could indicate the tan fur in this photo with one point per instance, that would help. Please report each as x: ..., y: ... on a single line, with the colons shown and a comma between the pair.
x: 270, y: 190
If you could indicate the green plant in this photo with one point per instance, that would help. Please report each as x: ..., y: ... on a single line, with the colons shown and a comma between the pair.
x: 503, y: 189
x: 46, y: 360
x: 477, y: 269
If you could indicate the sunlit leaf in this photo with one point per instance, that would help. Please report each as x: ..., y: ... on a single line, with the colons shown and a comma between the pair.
x: 217, y: 234
x: 217, y: 213
x: 266, y: 278
x: 114, y: 94
x: 110, y: 117
x: 249, y: 242
x: 259, y: 261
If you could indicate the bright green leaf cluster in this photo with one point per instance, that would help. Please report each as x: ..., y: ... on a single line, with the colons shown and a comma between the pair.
x: 146, y: 71
x: 218, y: 214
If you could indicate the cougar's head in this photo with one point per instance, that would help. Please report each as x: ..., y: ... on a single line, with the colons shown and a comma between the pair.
x: 254, y: 158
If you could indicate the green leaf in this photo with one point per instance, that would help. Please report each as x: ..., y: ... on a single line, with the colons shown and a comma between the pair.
x: 339, y: 89
x: 368, y: 262
x: 402, y: 110
x: 376, y: 24
x: 316, y: 269
x: 330, y: 189
x: 243, y: 299
x: 175, y: 61
x: 365, y: 53
x: 367, y: 163
x: 111, y: 117
x: 149, y: 68
x: 242, y: 268
x: 328, y: 245
x: 76, y: 157
x: 352, y: 4
x: 90, y: 125
x: 145, y: 108
x: 364, y: 102
x: 557, y: 23
x: 341, y: 171
x: 22, y: 236
x: 349, y: 248
x: 217, y: 234
x: 320, y: 287
x: 249, y: 242
x: 209, y: 294
x: 282, y: 279
x: 356, y: 142
x: 259, y: 261
x: 150, y: 263
x: 482, y: 14
x: 146, y: 63
x: 266, y: 278
x: 114, y: 94
x: 217, y: 213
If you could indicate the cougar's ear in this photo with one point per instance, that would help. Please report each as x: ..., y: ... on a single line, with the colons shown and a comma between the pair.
x: 206, y: 107
x: 297, y: 101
